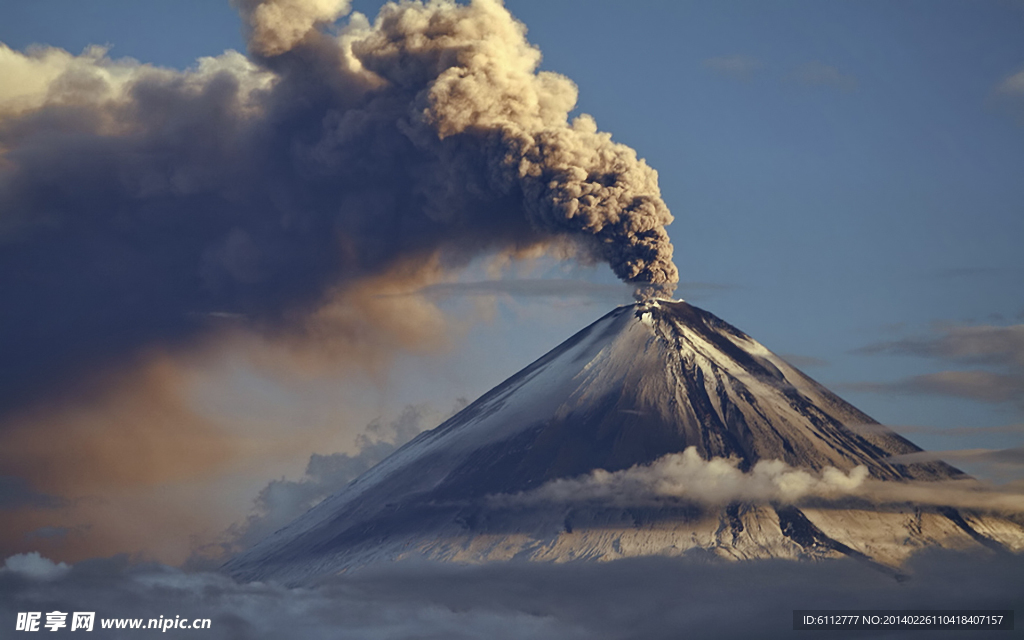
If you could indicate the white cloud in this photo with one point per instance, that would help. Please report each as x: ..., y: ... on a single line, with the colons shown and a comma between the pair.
x: 719, y: 481
x: 33, y: 565
x: 687, y: 476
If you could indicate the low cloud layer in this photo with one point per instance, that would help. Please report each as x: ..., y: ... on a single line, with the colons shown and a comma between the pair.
x: 651, y: 598
x: 719, y: 481
x: 981, y: 344
x: 1012, y: 429
x: 1011, y: 456
x: 686, y: 475
x: 999, y: 349
x: 982, y: 386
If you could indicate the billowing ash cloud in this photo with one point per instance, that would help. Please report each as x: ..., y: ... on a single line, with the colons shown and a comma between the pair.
x: 278, y: 25
x: 138, y: 202
x: 719, y: 481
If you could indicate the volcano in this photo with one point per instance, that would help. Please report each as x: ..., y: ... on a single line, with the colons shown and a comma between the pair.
x: 646, y: 381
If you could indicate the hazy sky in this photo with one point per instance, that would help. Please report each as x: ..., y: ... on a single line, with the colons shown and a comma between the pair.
x: 846, y: 181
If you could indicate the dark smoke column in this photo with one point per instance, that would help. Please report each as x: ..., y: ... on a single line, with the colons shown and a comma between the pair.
x: 471, y: 94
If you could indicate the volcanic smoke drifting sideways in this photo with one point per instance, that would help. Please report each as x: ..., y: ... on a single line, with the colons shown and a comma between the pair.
x: 139, y: 202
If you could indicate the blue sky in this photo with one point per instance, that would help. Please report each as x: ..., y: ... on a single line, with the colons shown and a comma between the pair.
x: 845, y: 178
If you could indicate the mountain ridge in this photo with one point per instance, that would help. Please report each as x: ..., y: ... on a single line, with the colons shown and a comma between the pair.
x: 643, y: 382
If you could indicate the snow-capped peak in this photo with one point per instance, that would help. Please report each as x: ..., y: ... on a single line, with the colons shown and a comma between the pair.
x: 642, y: 384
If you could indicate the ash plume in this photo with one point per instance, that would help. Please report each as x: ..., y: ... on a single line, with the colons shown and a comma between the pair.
x: 275, y: 26
x: 139, y: 200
